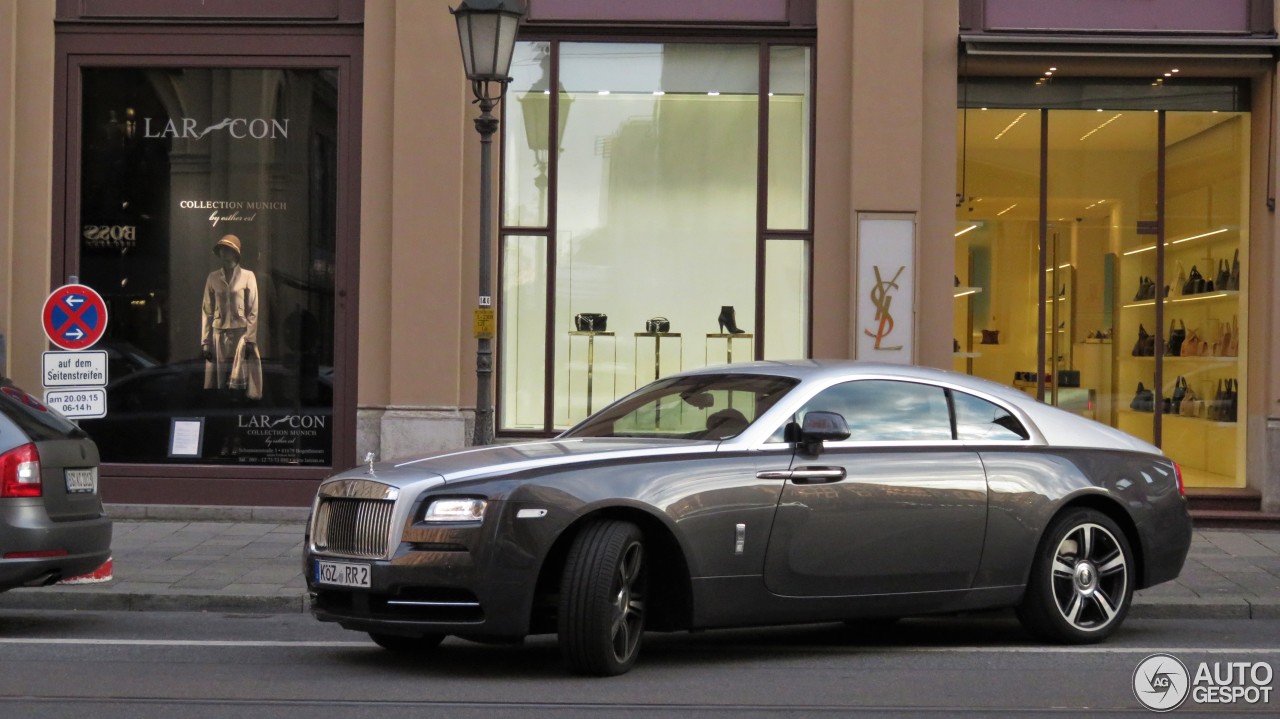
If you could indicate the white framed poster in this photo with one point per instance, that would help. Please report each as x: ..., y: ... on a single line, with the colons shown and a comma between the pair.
x: 885, y: 299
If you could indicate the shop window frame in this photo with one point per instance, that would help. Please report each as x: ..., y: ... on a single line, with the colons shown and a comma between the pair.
x: 554, y: 37
x: 337, y: 47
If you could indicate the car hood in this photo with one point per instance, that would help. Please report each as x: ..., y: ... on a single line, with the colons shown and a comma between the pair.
x: 504, y: 459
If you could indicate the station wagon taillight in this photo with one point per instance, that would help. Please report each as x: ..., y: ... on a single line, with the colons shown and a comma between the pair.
x: 1177, y: 469
x: 20, y: 472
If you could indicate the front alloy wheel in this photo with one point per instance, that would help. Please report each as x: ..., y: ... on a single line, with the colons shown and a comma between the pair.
x: 1081, y: 582
x: 602, y: 599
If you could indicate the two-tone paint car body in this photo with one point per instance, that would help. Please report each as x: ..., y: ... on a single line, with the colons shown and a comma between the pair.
x: 916, y: 491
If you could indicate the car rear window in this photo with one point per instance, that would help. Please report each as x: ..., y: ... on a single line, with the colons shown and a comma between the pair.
x: 32, y: 417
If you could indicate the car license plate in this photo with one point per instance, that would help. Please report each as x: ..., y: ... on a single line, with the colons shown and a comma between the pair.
x: 81, y: 480
x: 343, y: 574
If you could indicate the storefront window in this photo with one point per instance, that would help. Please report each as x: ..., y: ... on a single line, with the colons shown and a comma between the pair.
x: 207, y: 204
x: 1139, y: 321
x: 789, y: 109
x: 647, y: 216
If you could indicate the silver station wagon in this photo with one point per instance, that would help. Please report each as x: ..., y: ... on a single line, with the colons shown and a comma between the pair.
x: 52, y: 524
x: 755, y: 494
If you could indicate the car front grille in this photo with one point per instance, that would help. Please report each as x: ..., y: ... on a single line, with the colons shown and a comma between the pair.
x: 353, y: 527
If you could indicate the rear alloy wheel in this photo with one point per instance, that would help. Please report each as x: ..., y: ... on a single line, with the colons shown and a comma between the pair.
x: 407, y: 645
x: 1081, y: 581
x: 602, y: 593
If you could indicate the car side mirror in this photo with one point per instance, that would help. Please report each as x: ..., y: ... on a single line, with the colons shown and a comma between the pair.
x: 821, y: 427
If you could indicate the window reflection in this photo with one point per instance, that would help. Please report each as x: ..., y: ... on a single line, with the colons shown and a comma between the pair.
x: 979, y: 419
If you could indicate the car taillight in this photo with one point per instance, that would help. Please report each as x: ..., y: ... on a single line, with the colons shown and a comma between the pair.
x: 1177, y: 469
x: 20, y: 472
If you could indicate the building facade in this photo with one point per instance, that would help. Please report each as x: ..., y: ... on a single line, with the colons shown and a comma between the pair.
x: 1002, y: 188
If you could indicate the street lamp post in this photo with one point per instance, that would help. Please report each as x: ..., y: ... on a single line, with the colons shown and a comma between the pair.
x: 487, y: 34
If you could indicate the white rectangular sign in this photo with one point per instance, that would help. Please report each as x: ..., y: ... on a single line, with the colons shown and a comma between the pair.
x: 886, y: 287
x: 75, y: 369
x: 78, y: 403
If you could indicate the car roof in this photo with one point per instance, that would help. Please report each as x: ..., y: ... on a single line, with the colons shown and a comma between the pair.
x: 811, y: 369
x: 1057, y: 426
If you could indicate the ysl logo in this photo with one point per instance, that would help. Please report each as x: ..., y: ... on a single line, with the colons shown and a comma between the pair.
x: 881, y: 299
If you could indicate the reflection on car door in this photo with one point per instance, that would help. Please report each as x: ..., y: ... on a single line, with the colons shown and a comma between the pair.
x: 899, y: 507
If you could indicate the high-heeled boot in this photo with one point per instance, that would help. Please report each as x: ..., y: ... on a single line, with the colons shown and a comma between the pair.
x: 726, y: 319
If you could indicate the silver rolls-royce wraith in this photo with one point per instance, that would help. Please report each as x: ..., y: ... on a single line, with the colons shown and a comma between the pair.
x: 753, y: 494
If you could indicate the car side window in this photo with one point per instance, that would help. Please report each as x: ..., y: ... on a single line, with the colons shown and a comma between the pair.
x: 886, y: 410
x: 979, y: 419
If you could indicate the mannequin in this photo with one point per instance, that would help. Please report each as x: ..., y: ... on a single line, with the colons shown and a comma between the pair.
x: 230, y: 324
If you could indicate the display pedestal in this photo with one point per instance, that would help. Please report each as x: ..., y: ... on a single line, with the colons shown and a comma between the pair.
x: 713, y: 338
x: 590, y: 363
x: 642, y: 376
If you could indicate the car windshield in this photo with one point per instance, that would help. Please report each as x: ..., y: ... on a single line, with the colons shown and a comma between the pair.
x: 716, y: 407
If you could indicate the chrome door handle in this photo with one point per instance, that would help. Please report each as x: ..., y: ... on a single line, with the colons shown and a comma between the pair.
x: 805, y: 475
x: 817, y: 475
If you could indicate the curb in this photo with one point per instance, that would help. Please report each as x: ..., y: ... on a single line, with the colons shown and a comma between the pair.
x: 208, y: 513
x: 96, y: 600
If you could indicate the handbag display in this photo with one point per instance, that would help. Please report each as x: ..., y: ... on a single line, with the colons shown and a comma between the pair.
x: 990, y: 337
x: 1224, y: 274
x: 1177, y: 335
x: 1179, y: 395
x: 1195, y: 283
x: 1233, y: 280
x: 590, y: 321
x: 1068, y: 378
x: 1192, y: 405
x: 660, y: 325
x: 1146, y: 344
x: 1225, y: 403
x: 1222, y: 341
x: 1232, y: 341
x: 1216, y: 409
x: 1144, y: 400
x: 1193, y: 346
x: 1146, y: 289
x: 1181, y: 282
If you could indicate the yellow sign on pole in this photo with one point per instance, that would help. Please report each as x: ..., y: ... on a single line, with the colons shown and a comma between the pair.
x: 485, y: 323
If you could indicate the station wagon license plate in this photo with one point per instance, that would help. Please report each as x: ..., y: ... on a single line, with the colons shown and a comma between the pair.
x: 343, y: 574
x: 81, y: 480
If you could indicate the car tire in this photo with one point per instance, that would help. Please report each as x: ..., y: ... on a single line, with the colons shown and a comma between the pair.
x: 1081, y: 580
x: 602, y: 592
x: 401, y: 644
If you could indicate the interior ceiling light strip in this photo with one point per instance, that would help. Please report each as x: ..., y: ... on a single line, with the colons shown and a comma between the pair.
x: 1179, y: 241
x: 1110, y: 120
x: 1010, y: 125
x: 1010, y: 207
x: 970, y: 227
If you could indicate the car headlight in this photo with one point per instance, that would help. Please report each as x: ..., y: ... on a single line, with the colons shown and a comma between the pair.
x: 455, y: 510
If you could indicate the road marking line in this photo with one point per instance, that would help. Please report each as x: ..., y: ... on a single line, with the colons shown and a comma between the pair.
x: 862, y: 650
x: 182, y: 642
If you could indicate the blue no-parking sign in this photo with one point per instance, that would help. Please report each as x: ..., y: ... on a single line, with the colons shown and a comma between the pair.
x: 74, y: 317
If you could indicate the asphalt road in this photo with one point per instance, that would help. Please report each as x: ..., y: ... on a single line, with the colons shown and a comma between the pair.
x: 177, y: 665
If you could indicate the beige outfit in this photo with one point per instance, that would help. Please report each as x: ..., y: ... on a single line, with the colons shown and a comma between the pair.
x: 230, y: 319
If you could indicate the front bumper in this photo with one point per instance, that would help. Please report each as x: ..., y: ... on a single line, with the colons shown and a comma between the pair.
x: 468, y: 579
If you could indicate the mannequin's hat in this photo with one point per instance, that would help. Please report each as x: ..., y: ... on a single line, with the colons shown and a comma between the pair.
x: 228, y: 241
